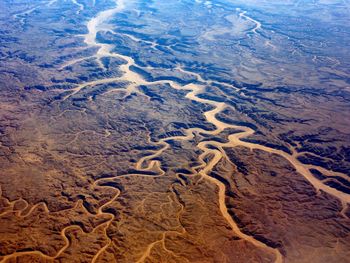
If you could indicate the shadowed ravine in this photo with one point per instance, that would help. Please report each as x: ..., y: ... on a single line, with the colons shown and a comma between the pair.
x: 148, y: 163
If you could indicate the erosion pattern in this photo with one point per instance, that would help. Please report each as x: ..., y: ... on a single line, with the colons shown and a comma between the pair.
x: 174, y: 131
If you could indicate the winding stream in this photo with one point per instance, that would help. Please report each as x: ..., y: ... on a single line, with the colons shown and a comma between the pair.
x: 147, y: 163
x: 104, y: 50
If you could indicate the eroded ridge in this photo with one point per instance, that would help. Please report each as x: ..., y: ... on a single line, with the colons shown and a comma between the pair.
x: 149, y: 162
x: 234, y: 139
x: 194, y: 90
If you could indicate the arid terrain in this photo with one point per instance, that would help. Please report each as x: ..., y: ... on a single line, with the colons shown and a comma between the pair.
x: 174, y: 131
